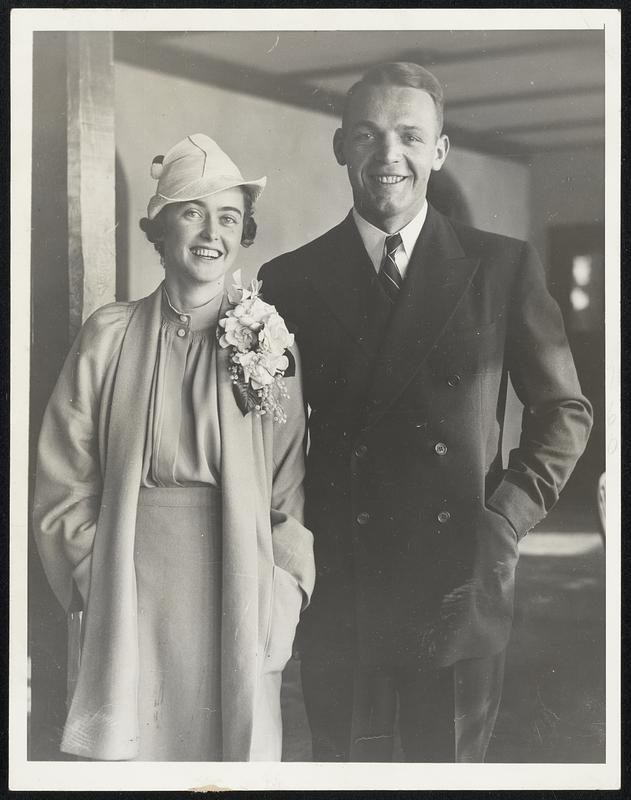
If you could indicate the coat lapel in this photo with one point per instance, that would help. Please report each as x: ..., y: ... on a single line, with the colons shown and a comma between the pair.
x: 438, y: 276
x: 103, y: 720
x: 342, y: 277
x: 242, y: 487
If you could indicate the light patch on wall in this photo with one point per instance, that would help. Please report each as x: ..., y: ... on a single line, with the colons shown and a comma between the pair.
x: 579, y: 299
x: 582, y: 270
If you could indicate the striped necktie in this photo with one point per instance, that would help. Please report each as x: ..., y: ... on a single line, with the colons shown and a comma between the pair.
x: 389, y: 274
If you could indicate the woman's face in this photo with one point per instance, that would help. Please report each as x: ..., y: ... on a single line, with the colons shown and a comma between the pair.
x: 201, y: 238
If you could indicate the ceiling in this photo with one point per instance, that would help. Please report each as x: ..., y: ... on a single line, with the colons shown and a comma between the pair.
x: 511, y: 93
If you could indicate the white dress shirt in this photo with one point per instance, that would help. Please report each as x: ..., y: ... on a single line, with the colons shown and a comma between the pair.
x: 374, y: 239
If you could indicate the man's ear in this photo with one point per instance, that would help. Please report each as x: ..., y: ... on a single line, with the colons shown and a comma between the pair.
x: 338, y: 147
x: 440, y: 155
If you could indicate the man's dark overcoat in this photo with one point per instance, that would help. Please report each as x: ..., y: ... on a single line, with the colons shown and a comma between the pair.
x: 416, y: 520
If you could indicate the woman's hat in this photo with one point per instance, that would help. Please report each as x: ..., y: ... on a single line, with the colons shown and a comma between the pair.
x: 194, y: 168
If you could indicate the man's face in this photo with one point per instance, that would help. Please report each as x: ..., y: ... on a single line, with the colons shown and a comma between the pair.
x: 390, y: 145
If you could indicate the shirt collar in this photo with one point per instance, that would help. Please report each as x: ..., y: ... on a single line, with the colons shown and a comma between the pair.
x: 194, y: 319
x: 374, y: 238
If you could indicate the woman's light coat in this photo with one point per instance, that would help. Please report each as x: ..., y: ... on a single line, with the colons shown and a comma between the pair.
x: 88, y: 479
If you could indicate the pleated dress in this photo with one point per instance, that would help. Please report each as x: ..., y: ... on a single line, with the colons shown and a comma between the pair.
x: 178, y: 545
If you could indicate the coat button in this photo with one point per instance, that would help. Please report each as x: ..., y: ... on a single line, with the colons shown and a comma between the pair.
x: 181, y: 332
x: 183, y: 318
x: 453, y: 381
x: 444, y: 516
x: 363, y: 518
x: 440, y: 448
x: 361, y: 450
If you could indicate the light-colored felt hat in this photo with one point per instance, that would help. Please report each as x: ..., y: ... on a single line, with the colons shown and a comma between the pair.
x: 194, y: 168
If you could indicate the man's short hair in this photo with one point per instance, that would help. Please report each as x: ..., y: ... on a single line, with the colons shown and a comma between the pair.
x: 402, y: 73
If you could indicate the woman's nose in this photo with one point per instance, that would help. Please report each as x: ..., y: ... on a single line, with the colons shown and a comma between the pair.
x: 208, y: 229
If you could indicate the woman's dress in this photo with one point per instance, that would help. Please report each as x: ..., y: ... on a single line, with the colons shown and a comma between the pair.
x: 178, y: 546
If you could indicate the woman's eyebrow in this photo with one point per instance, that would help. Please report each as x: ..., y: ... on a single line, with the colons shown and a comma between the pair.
x: 231, y: 208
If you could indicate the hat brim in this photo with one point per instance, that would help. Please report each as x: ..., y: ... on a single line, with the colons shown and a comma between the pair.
x: 203, y: 187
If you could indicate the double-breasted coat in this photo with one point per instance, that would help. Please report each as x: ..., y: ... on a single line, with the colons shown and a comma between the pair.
x: 415, y: 517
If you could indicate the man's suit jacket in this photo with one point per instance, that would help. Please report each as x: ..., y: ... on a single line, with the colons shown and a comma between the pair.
x: 416, y: 520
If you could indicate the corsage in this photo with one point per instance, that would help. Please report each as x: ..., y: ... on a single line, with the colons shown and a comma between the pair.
x: 258, y: 341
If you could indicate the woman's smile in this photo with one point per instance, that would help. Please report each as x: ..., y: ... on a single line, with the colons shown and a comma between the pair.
x: 210, y: 254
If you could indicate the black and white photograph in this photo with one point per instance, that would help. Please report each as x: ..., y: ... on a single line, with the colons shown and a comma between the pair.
x: 315, y: 408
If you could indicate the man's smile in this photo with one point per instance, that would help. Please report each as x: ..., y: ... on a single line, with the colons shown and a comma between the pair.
x: 388, y: 180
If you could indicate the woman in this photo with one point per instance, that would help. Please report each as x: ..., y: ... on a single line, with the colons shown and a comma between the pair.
x: 172, y: 508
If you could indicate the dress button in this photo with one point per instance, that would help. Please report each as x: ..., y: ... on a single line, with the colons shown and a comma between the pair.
x: 181, y: 332
x: 444, y: 516
x: 440, y: 448
x: 453, y: 380
x: 183, y: 318
x: 361, y: 450
x: 363, y: 518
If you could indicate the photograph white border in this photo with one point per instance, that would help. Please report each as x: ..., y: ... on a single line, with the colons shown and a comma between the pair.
x: 67, y: 775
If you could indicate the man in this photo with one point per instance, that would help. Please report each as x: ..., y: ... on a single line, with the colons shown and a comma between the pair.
x: 409, y: 326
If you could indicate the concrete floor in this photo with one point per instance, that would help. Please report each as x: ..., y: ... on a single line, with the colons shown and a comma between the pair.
x: 553, y: 705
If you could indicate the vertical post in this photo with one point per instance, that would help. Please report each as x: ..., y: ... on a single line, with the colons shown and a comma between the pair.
x: 49, y: 347
x: 91, y: 159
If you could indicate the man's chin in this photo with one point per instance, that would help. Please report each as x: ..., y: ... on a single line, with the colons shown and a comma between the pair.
x: 380, y: 210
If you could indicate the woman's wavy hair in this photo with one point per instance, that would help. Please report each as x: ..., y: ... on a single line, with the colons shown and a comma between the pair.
x: 154, y: 228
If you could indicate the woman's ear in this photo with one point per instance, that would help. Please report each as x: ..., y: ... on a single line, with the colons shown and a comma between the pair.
x: 158, y: 230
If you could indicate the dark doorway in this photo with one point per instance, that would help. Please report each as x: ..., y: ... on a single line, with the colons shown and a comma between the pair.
x: 576, y: 258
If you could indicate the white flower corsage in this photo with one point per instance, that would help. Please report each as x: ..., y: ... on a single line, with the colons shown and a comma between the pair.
x: 258, y: 341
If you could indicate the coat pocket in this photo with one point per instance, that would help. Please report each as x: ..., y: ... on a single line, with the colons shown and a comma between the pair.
x: 501, y: 520
x: 81, y: 575
x: 498, y: 553
x: 292, y: 546
x: 287, y: 598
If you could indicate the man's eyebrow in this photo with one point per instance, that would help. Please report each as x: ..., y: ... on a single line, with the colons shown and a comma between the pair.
x: 404, y: 126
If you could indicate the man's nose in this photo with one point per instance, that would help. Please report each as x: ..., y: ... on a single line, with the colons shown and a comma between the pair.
x: 389, y: 149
